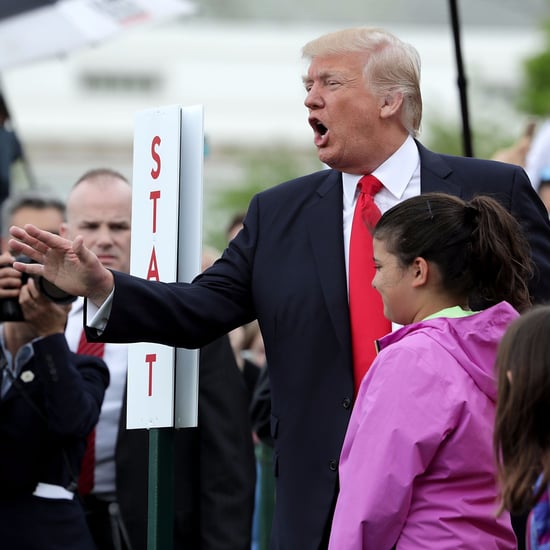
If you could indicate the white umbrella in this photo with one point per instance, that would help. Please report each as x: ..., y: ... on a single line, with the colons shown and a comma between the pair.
x: 36, y: 29
x: 31, y: 30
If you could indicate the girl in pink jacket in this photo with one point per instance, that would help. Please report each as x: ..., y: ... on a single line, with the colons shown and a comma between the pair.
x: 417, y: 469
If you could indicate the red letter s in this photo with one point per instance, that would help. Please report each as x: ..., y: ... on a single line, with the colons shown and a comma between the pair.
x: 155, y: 172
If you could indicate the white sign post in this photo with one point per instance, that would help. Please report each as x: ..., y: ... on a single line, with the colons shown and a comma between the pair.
x: 190, y: 254
x: 166, y: 246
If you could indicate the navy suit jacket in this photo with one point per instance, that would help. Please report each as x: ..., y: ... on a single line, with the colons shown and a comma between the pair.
x: 45, y: 418
x: 286, y: 267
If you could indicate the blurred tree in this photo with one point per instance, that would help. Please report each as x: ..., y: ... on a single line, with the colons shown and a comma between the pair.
x: 488, y: 136
x: 534, y: 97
x: 259, y: 169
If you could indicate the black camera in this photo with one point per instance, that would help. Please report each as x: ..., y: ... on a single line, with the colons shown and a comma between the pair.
x: 10, y: 310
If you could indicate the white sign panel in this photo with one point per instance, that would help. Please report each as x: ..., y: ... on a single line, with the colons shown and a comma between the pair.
x: 190, y: 252
x: 159, y: 157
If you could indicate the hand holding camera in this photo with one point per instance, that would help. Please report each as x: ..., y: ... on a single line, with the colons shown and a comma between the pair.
x: 18, y: 303
x: 10, y: 278
x: 44, y: 316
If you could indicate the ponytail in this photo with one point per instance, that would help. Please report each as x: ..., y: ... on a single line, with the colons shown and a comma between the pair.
x: 500, y: 258
x: 478, y: 246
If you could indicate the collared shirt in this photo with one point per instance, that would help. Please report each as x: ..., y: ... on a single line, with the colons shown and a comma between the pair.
x: 116, y: 358
x: 15, y: 365
x: 400, y: 176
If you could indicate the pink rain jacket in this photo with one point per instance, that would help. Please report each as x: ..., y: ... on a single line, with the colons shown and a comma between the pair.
x: 417, y: 466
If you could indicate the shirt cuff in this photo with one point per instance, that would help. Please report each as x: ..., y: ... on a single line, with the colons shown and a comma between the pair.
x: 98, y: 317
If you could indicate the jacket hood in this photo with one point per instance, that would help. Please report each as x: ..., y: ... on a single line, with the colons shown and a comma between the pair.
x: 471, y: 340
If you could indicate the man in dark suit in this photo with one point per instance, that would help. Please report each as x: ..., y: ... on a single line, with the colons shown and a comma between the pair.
x: 50, y: 400
x: 288, y: 265
x: 214, y: 467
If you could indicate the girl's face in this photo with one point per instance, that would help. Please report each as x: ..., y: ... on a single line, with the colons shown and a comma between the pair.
x: 394, y: 283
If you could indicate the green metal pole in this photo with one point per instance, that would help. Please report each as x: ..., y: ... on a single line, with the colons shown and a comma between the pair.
x: 160, y: 515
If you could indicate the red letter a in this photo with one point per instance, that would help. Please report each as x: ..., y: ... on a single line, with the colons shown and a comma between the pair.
x: 153, y: 271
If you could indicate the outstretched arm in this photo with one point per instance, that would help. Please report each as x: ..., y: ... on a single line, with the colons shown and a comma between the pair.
x: 67, y: 264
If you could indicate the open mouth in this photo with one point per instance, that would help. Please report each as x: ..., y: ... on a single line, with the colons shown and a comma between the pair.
x: 318, y: 126
x: 321, y: 128
x: 320, y: 132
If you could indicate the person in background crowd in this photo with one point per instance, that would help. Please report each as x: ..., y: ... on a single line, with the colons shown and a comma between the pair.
x: 214, y: 463
x: 288, y: 266
x: 532, y: 153
x: 518, y: 151
x: 235, y: 225
x: 538, y: 153
x: 543, y: 188
x: 50, y: 400
x: 246, y: 340
x: 249, y: 349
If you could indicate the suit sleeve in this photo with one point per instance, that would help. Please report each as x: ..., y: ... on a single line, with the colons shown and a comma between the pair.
x: 74, y: 386
x: 191, y: 315
x: 527, y: 207
x: 509, y: 184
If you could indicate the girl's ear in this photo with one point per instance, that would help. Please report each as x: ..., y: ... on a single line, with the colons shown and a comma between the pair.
x: 420, y: 270
x: 509, y: 375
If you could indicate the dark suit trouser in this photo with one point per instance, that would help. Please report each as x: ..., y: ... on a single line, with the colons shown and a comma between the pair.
x: 105, y: 524
x: 35, y: 523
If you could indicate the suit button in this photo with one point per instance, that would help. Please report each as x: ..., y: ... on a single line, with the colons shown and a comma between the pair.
x: 346, y: 403
x: 333, y: 465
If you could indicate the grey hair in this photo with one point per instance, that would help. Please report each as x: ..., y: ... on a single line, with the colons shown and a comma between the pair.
x: 391, y: 66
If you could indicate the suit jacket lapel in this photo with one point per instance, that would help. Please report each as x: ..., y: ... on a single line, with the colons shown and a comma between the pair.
x: 325, y: 213
x: 24, y: 381
x: 436, y: 174
x: 323, y: 216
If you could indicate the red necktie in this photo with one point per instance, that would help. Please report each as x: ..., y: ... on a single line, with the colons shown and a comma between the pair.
x: 86, y: 478
x: 365, y: 304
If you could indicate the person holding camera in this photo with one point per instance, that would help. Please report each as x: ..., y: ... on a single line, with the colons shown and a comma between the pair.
x: 50, y: 400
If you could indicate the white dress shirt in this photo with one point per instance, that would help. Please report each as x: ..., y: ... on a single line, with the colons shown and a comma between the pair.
x: 400, y: 176
x: 116, y: 358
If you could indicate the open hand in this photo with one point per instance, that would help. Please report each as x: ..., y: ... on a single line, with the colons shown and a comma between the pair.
x: 69, y: 265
